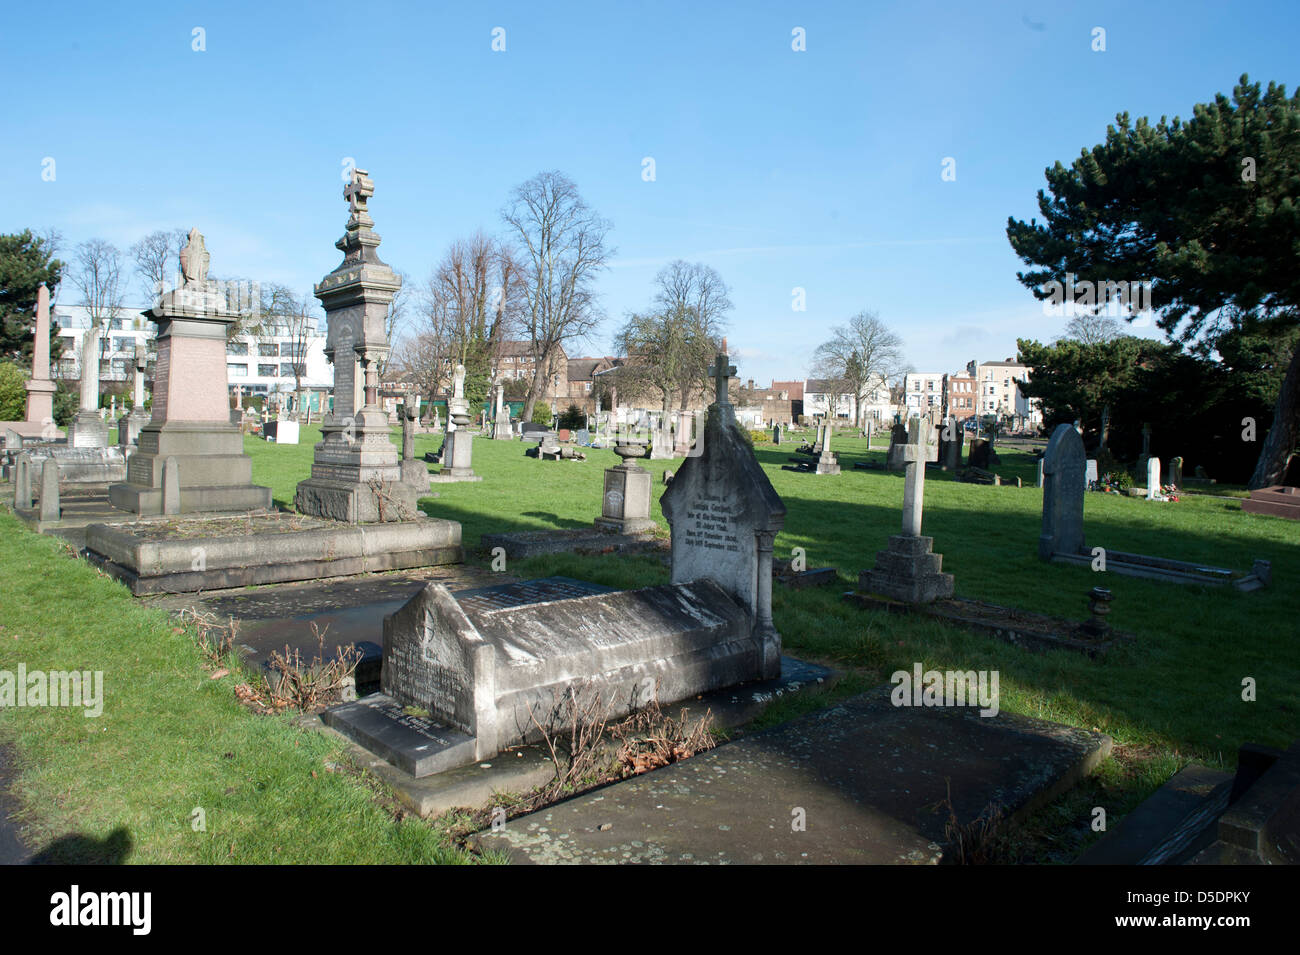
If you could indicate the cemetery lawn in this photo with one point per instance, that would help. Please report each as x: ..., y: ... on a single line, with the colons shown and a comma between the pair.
x: 1172, y: 697
x: 170, y: 740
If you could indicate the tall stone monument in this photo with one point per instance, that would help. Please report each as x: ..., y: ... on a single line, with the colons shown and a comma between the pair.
x: 88, y: 429
x: 356, y: 475
x: 501, y: 415
x: 129, y: 425
x: 725, y: 515
x: 39, y: 420
x: 458, y: 448
x: 190, y: 419
x: 909, y: 570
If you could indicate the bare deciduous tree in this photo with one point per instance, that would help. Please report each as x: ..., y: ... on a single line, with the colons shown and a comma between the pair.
x: 696, y: 295
x: 98, y: 276
x: 1092, y: 329
x: 154, y: 255
x: 860, y: 354
x: 562, y: 250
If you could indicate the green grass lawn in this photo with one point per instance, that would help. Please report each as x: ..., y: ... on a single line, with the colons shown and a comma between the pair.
x: 161, y: 748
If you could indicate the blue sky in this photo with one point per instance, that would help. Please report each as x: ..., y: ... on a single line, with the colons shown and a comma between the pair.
x: 818, y: 169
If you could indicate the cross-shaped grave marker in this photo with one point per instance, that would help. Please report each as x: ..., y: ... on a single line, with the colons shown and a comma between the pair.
x: 914, y: 454
x: 722, y: 372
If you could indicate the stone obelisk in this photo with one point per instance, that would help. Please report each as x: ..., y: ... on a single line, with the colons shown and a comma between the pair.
x: 40, y: 389
x: 356, y: 473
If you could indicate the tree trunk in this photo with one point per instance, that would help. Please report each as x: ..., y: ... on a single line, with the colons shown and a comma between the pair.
x: 1284, y: 433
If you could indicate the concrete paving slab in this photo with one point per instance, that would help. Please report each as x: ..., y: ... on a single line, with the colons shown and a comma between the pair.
x: 865, y: 777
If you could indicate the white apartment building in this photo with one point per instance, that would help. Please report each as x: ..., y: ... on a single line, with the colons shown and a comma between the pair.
x: 997, y: 384
x: 876, y: 404
x: 261, y: 363
x: 922, y: 391
x: 829, y: 398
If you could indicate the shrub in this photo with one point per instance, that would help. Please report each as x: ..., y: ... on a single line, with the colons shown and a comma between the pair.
x: 13, y: 394
x: 541, y: 413
x: 573, y: 418
x: 759, y: 437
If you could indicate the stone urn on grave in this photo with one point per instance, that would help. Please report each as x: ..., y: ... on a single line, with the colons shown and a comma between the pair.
x: 459, y: 463
x: 625, y: 506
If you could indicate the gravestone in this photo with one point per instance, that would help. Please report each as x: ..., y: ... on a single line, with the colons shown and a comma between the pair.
x: 1176, y: 472
x: 458, y: 448
x: 908, y: 570
x: 128, y: 427
x: 1040, y: 472
x: 23, y: 482
x: 1153, y: 480
x: 50, y: 493
x: 625, y: 504
x: 1064, y: 468
x: 356, y: 474
x: 776, y: 435
x: 501, y: 416
x: 87, y: 428
x: 827, y: 462
x: 1090, y: 472
x: 724, y: 515
x: 894, y: 460
x: 950, y: 444
x: 191, y: 405
x: 980, y: 454
x: 414, y: 472
x: 491, y: 667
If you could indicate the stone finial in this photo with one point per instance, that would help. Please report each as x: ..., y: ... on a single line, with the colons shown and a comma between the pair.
x: 458, y: 382
x: 194, y: 259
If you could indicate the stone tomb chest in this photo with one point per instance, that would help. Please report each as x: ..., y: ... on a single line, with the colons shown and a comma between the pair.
x: 468, y: 674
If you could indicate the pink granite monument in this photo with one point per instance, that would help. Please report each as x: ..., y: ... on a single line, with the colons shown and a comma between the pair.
x: 39, y: 421
x: 191, y: 405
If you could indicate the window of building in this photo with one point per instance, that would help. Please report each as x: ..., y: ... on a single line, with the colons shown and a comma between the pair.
x: 268, y: 351
x: 286, y: 370
x: 237, y: 348
x: 267, y: 371
x: 236, y: 371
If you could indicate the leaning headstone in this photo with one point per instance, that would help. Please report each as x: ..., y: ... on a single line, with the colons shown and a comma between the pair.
x: 49, y: 492
x: 1176, y: 472
x: 191, y: 404
x: 23, y: 483
x: 725, y: 515
x: 909, y: 570
x: 1040, y: 472
x: 1064, y: 467
x: 1090, y: 472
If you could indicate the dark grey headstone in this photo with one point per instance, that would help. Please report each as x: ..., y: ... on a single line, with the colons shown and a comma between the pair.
x: 1064, y: 464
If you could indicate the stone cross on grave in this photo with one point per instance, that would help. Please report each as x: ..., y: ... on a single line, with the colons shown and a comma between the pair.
x: 722, y: 373
x: 914, y: 454
x: 356, y: 192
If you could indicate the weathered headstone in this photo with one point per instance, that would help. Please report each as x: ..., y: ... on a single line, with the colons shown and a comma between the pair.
x: 908, y: 570
x: 950, y: 444
x: 23, y: 482
x: 725, y: 515
x: 191, y: 404
x: 1176, y: 472
x: 356, y: 474
x: 501, y: 415
x: 1090, y: 472
x: 50, y: 492
x: 827, y: 462
x: 980, y: 454
x: 1063, y: 487
x: 776, y: 435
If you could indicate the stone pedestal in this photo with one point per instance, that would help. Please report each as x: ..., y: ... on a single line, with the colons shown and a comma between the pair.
x: 191, y: 409
x: 625, y: 505
x: 129, y: 427
x: 908, y: 571
x: 87, y: 430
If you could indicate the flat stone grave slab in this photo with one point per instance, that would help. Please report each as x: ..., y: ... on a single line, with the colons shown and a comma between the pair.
x: 194, y: 553
x: 867, y: 776
x: 523, y: 768
x: 519, y: 545
x: 350, y: 611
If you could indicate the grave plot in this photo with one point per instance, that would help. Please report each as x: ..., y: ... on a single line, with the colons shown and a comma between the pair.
x: 466, y: 675
x: 357, y: 511
x: 1062, y: 538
